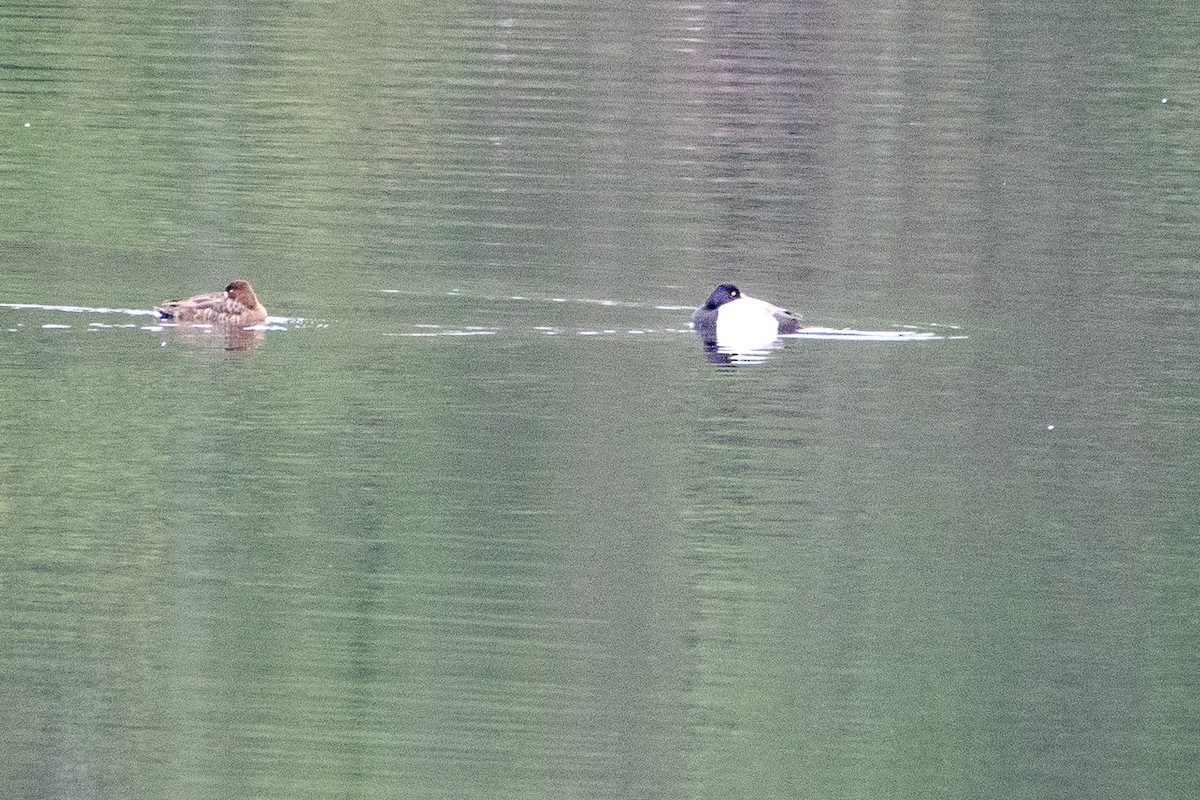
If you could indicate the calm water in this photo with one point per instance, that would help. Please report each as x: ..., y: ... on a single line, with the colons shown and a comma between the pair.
x: 478, y: 518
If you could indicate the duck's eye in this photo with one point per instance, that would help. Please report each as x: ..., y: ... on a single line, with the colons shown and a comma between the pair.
x: 734, y: 293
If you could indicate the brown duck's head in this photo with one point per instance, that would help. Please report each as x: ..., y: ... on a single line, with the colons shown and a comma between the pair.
x: 243, y: 292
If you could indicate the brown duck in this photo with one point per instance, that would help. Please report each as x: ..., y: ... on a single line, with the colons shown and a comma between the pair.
x: 237, y: 306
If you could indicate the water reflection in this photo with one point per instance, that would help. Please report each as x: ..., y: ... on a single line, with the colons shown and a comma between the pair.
x: 738, y: 353
x: 222, y: 337
x: 757, y: 351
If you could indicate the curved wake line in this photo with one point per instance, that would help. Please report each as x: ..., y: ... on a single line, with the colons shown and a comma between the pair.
x: 133, y: 312
x: 275, y: 323
x: 869, y: 336
x: 272, y: 322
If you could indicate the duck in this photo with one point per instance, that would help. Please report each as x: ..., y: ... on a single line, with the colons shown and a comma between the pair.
x: 237, y: 306
x: 730, y: 316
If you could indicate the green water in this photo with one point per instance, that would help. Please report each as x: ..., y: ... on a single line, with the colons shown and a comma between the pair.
x: 478, y: 518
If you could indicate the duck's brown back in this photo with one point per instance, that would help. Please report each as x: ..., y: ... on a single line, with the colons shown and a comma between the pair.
x: 237, y: 305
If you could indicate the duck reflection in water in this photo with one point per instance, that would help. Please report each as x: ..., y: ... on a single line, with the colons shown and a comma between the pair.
x: 736, y: 327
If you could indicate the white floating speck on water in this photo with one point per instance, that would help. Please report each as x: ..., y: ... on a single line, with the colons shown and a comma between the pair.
x: 56, y: 326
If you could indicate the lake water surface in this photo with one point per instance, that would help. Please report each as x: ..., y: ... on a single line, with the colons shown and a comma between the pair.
x: 477, y: 516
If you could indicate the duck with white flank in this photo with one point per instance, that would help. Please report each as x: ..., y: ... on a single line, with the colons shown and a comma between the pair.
x: 732, y: 318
